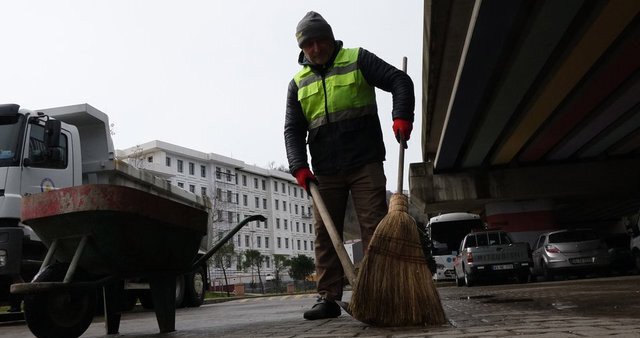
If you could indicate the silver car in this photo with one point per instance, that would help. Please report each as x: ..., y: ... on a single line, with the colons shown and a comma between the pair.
x: 569, y: 252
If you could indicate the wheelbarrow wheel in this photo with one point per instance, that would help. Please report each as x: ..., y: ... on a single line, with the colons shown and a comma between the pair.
x: 62, y: 313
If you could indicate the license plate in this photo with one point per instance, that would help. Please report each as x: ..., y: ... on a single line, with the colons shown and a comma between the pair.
x: 581, y: 260
x: 502, y: 267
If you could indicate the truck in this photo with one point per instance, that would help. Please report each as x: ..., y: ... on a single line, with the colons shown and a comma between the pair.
x: 63, y: 147
x: 446, y: 231
x: 490, y: 255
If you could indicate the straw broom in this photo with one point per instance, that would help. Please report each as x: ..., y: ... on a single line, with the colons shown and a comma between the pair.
x: 394, y: 286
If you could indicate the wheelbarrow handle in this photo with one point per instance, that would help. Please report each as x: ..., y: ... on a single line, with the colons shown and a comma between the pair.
x: 224, y: 239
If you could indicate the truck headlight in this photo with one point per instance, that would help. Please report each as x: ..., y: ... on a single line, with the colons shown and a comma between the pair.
x: 3, y: 258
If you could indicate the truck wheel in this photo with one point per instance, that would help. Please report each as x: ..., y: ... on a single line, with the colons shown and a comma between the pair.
x: 459, y: 281
x: 195, y: 287
x: 60, y: 313
x: 468, y: 281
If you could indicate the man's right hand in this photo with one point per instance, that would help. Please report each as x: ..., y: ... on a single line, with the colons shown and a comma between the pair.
x: 304, y: 175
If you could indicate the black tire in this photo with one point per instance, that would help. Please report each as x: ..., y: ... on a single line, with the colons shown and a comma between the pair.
x: 468, y: 281
x: 195, y: 288
x: 61, y: 313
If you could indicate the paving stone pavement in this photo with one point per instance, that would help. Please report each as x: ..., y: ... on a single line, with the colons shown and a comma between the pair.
x: 584, y: 308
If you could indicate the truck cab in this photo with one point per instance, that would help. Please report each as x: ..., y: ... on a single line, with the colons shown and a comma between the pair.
x: 36, y: 155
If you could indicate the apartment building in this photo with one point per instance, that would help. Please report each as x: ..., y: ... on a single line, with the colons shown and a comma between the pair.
x: 236, y: 190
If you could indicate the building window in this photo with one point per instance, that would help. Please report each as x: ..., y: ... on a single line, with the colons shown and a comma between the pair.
x: 244, y: 180
x: 239, y: 241
x: 218, y: 173
x: 228, y: 175
x: 167, y: 161
x: 245, y: 200
x: 299, y: 245
x: 230, y: 216
x: 266, y: 242
x: 297, y: 226
x: 310, y: 229
x: 285, y: 224
x: 259, y: 241
x: 266, y: 224
x: 305, y: 245
x: 150, y: 159
x: 181, y: 185
x: 203, y: 171
x: 257, y: 202
x: 295, y: 192
x: 192, y: 168
x: 284, y: 205
x: 255, y: 183
x: 218, y: 194
x: 246, y: 241
x: 296, y: 206
x: 229, y: 196
x: 311, y: 244
x: 286, y: 243
x: 180, y: 168
x: 277, y: 223
x: 283, y: 188
x: 264, y: 185
x: 279, y: 242
x: 275, y: 186
x: 192, y: 188
x: 304, y: 228
x: 203, y: 191
x: 264, y: 203
x: 277, y: 205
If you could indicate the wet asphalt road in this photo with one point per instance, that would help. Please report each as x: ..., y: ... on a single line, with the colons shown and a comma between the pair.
x: 571, y: 308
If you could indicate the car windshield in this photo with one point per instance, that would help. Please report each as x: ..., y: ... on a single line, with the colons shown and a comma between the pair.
x: 572, y: 236
x: 10, y: 126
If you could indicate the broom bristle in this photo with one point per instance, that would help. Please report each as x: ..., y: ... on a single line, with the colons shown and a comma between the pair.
x: 394, y: 285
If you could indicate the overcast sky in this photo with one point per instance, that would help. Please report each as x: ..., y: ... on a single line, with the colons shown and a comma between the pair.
x: 206, y: 75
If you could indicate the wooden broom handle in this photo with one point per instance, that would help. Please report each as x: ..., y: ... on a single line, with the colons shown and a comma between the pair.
x: 403, y: 144
x: 336, y: 239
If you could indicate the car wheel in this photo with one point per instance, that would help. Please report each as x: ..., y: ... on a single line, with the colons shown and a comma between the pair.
x: 195, y: 287
x: 548, y: 274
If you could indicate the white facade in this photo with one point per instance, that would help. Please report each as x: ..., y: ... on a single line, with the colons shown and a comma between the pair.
x: 237, y: 190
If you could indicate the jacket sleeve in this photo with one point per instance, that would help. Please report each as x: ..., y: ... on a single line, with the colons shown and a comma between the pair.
x: 380, y: 74
x: 295, y: 131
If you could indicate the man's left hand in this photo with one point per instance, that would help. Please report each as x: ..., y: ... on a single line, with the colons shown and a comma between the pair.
x: 402, y: 129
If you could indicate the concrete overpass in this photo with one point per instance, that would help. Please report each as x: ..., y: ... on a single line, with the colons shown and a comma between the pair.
x: 531, y: 112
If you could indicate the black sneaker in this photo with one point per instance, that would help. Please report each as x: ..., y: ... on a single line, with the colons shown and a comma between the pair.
x: 322, y: 309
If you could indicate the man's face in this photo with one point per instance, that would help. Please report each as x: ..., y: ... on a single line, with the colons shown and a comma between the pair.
x: 319, y: 50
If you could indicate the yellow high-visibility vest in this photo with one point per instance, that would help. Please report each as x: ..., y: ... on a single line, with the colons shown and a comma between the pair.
x: 341, y: 94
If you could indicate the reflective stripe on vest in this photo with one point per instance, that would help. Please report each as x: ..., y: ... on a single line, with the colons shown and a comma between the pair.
x: 350, y: 95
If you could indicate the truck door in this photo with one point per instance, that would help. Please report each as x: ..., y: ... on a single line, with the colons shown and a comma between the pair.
x: 40, y: 173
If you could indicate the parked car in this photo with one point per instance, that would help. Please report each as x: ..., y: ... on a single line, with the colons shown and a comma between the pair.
x: 491, y: 255
x: 569, y: 252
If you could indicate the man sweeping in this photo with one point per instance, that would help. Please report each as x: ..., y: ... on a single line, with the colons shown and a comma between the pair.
x: 331, y: 106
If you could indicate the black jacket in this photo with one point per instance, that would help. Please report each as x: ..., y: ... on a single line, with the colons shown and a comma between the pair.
x: 348, y: 144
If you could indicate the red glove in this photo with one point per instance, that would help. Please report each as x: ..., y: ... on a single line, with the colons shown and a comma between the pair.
x: 304, y: 175
x: 402, y: 129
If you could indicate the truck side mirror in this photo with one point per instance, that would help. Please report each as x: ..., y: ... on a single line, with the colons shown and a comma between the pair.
x: 52, y: 129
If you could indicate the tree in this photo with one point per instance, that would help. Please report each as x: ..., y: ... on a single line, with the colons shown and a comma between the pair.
x: 301, y: 267
x: 222, y: 260
x: 280, y: 262
x: 253, y: 258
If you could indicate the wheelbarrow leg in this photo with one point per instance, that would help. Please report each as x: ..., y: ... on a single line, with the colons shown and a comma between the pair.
x: 163, y: 293
x: 112, y: 294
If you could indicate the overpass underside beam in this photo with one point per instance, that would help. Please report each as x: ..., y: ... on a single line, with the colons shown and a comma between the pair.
x: 472, y: 189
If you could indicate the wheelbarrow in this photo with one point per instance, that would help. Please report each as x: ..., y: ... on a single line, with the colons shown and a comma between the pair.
x: 98, y: 235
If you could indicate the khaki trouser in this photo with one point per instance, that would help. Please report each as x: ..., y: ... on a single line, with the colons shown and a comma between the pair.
x: 367, y: 185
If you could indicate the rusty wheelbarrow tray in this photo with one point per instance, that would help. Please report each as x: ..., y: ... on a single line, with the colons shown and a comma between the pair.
x: 99, y: 234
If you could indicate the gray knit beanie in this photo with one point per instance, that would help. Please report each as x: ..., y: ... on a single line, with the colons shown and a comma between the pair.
x: 312, y: 26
